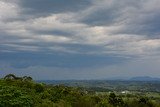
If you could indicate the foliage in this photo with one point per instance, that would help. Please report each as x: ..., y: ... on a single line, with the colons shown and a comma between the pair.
x: 24, y: 92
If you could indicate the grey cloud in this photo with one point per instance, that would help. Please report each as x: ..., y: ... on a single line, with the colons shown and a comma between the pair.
x: 95, y: 26
x: 54, y: 32
x: 136, y: 17
x: 47, y: 7
x: 86, y: 34
x: 25, y: 60
x: 107, y: 12
x: 101, y: 18
x: 144, y: 24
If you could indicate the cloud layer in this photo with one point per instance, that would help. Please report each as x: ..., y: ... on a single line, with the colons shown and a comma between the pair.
x: 94, y: 32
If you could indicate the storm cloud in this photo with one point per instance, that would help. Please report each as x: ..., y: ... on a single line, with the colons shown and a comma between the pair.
x: 81, y: 34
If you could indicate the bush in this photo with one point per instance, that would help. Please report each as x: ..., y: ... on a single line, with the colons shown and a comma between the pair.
x: 14, y: 97
x: 39, y: 88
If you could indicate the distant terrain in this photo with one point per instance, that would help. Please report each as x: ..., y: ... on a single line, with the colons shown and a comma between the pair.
x: 145, y: 78
x: 142, y: 84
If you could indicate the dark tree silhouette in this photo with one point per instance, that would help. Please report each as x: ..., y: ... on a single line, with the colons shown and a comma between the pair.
x: 26, y: 78
x: 12, y: 77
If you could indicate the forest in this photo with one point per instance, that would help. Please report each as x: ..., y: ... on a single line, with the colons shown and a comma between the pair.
x: 25, y: 92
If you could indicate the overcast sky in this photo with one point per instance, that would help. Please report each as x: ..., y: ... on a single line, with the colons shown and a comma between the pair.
x: 80, y: 39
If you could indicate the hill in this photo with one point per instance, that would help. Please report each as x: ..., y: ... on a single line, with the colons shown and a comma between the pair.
x: 144, y: 78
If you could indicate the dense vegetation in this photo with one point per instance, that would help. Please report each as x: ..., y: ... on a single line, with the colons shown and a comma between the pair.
x: 24, y: 92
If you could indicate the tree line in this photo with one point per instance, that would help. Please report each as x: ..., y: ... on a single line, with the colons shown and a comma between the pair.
x: 24, y: 92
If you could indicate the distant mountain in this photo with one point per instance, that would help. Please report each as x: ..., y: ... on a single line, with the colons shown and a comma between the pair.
x: 139, y: 78
x: 144, y: 78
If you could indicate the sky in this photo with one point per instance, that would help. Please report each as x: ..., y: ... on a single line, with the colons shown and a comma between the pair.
x: 80, y: 39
